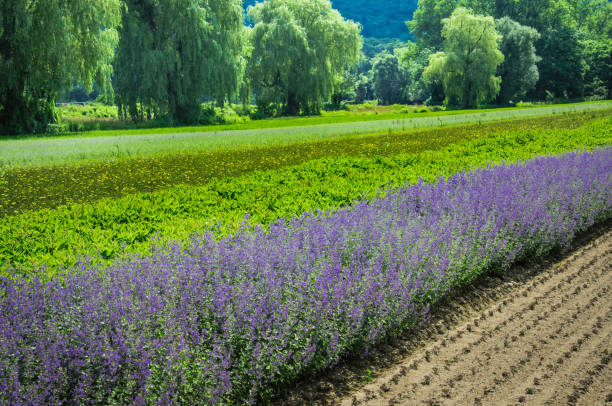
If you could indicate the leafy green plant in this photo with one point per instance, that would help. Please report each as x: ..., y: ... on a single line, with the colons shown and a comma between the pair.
x: 108, y: 227
x: 32, y: 188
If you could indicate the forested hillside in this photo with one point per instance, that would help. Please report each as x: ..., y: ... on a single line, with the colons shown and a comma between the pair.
x: 379, y: 19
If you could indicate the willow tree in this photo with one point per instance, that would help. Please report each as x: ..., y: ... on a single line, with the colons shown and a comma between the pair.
x: 45, y: 45
x: 300, y: 50
x: 470, y: 59
x: 173, y: 52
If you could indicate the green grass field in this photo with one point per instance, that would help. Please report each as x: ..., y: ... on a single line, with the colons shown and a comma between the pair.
x: 357, y: 113
x: 102, y: 146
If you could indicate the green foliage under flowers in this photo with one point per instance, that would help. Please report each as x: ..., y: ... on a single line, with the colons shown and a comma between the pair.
x: 108, y: 227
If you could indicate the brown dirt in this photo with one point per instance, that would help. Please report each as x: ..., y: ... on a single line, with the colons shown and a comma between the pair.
x: 539, y: 335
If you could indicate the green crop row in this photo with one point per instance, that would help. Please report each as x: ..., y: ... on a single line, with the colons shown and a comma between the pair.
x: 109, y: 227
x: 36, y: 188
x: 70, y: 151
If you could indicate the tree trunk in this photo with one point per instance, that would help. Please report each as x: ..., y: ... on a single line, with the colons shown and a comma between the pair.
x: 293, y: 106
x: 221, y: 101
x: 14, y: 115
x: 467, y: 95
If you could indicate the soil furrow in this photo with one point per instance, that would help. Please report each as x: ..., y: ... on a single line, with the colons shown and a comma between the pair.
x: 546, y: 341
x: 456, y: 356
x: 541, y: 380
x: 577, y: 373
x: 600, y: 390
x: 522, y: 349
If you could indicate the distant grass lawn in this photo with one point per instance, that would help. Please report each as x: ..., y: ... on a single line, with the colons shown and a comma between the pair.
x: 355, y: 114
x: 109, y: 145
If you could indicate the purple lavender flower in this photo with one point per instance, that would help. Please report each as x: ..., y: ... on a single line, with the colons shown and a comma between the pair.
x: 223, y: 319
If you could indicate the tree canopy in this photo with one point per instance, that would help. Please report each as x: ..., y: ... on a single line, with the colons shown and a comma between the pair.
x: 426, y: 23
x: 563, y: 25
x: 562, y: 66
x: 519, y: 71
x: 45, y: 45
x: 300, y: 50
x: 537, y: 14
x: 172, y: 52
x: 167, y: 57
x: 387, y: 78
x: 414, y: 60
x: 598, y: 74
x: 470, y: 59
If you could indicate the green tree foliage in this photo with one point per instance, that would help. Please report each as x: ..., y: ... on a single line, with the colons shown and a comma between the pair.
x: 598, y: 75
x: 387, y: 80
x: 596, y: 45
x: 519, y: 71
x: 300, y: 50
x: 45, y: 45
x: 172, y: 52
x: 413, y: 60
x: 470, y: 59
x: 532, y: 13
x: 570, y: 30
x: 426, y: 24
x: 363, y: 89
x: 562, y: 67
x: 596, y: 15
x: 345, y: 87
x: 374, y: 46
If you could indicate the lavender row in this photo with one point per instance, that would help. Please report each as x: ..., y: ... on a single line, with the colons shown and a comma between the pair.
x: 223, y: 320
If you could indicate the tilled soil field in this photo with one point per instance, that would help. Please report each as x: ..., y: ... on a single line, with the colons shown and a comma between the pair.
x: 539, y: 335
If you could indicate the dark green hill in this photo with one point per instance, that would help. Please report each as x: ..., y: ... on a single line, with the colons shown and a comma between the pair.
x: 380, y: 19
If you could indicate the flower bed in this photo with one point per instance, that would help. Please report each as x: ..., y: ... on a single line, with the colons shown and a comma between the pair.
x: 222, y: 320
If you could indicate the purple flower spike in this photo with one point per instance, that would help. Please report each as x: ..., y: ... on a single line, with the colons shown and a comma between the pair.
x: 222, y: 320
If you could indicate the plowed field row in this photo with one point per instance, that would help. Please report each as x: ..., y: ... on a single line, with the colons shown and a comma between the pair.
x: 541, y: 334
x: 547, y: 343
